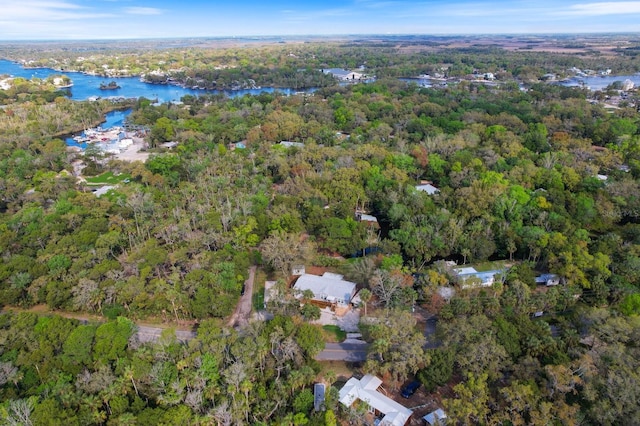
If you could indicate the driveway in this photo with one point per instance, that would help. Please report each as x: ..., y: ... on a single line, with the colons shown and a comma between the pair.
x: 429, y: 322
x: 242, y: 314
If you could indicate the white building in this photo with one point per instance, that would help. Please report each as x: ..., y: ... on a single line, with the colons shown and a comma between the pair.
x: 366, y: 390
x: 329, y: 288
x: 470, y: 278
x: 428, y: 188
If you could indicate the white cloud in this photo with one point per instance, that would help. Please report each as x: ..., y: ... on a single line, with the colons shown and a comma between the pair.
x: 29, y: 11
x: 604, y: 8
x: 49, y: 19
x: 143, y: 11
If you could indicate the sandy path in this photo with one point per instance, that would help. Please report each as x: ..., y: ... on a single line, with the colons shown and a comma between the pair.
x: 241, y: 316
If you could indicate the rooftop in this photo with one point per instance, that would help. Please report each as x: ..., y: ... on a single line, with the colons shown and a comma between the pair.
x: 330, y: 287
x: 366, y: 390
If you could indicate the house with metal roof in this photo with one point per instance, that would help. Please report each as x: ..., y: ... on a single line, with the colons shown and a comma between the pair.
x: 366, y: 391
x: 329, y: 289
x: 470, y: 278
x: 428, y: 188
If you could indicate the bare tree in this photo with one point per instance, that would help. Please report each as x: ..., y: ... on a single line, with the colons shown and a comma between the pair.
x: 19, y: 413
x: 282, y: 250
x: 385, y: 286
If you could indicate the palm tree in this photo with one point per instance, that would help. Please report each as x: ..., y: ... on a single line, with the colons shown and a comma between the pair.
x: 365, y: 296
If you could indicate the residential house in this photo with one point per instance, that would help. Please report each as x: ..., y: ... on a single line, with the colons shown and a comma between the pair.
x: 366, y: 391
x: 169, y: 145
x: 237, y: 145
x: 103, y: 190
x: 329, y: 290
x: 471, y: 278
x: 344, y: 75
x: 368, y: 219
x: 548, y: 279
x: 427, y: 187
x: 290, y: 144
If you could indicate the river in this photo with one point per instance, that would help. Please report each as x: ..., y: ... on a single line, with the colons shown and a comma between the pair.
x: 88, y: 86
x: 600, y: 82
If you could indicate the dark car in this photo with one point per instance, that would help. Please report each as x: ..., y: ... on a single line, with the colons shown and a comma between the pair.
x: 410, y: 389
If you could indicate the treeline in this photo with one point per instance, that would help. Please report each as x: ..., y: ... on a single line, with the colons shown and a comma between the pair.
x: 244, y: 78
x: 283, y: 65
x: 55, y: 371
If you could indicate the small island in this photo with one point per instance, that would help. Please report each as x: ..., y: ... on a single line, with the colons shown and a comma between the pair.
x: 111, y: 86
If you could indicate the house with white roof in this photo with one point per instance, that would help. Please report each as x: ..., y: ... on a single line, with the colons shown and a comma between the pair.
x: 368, y: 219
x: 548, y: 279
x: 428, y: 188
x: 366, y: 391
x: 290, y: 144
x: 470, y: 278
x: 329, y: 289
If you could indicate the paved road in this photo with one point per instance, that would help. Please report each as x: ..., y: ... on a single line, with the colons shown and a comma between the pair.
x: 352, y: 352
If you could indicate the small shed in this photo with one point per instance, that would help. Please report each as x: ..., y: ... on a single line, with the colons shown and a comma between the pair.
x: 318, y: 396
x: 298, y: 270
x: 437, y: 417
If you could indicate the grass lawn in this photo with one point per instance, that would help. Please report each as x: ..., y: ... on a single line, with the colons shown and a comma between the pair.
x: 107, y: 178
x: 491, y: 266
x: 334, y: 333
x: 257, y: 299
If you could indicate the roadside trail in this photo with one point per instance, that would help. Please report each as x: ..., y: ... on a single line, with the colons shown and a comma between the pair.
x: 242, y: 315
x: 150, y: 332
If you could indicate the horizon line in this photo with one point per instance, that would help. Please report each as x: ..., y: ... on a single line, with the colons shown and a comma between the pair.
x: 348, y: 35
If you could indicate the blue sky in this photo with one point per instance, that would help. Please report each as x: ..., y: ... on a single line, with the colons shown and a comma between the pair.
x: 109, y: 19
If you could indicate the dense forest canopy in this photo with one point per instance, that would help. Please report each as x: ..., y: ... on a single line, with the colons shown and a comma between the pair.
x: 545, y: 178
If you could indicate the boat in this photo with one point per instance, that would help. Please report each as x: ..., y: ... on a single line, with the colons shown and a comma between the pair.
x: 111, y: 86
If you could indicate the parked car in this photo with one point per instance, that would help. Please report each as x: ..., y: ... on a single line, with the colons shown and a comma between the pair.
x: 410, y: 389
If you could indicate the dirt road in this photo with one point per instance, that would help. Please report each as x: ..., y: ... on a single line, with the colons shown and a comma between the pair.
x: 152, y: 334
x: 241, y: 316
